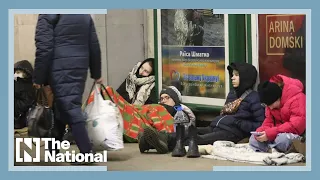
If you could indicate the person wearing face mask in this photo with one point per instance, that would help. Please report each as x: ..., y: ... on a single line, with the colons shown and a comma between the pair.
x: 24, y: 93
x: 241, y: 114
x: 138, y: 87
x: 285, y: 119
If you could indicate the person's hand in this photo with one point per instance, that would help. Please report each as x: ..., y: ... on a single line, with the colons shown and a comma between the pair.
x: 37, y: 86
x: 262, y: 138
x: 99, y: 81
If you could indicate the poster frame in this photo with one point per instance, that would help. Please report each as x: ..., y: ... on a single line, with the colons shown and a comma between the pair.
x: 191, y: 101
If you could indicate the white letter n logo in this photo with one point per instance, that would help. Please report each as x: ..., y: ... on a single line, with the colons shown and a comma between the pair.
x: 26, y: 156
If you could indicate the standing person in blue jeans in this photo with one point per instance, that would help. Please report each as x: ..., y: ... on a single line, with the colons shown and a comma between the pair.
x: 285, y: 114
x: 66, y: 47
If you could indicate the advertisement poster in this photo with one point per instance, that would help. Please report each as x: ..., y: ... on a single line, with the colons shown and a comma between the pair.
x: 193, y: 52
x: 282, y: 46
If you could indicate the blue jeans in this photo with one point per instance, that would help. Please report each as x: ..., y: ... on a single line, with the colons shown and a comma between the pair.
x: 282, y: 143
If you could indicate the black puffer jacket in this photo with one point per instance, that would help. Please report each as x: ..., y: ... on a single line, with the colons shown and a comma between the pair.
x: 67, y: 45
x: 251, y: 113
x: 24, y: 93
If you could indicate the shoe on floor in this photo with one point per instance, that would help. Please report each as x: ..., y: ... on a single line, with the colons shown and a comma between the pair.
x: 143, y: 144
x: 156, y: 139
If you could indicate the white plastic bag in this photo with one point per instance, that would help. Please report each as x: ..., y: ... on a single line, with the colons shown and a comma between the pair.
x: 104, y: 123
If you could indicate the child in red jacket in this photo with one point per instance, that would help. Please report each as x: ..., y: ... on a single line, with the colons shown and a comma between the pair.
x: 285, y: 114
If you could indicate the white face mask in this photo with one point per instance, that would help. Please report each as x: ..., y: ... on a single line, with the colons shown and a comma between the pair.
x: 17, y: 74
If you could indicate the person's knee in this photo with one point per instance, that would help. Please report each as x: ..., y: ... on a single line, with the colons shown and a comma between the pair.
x: 256, y: 145
x: 252, y: 141
x: 282, y: 142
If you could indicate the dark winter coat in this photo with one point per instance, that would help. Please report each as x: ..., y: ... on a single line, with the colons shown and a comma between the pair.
x: 24, y: 93
x: 251, y: 113
x: 67, y: 45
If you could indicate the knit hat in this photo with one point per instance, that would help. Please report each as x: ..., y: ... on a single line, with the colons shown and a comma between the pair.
x: 269, y: 92
x: 173, y: 92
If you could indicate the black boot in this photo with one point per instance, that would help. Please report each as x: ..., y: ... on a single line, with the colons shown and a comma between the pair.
x: 143, y: 145
x: 171, y: 141
x: 179, y: 150
x: 158, y: 140
x: 193, y: 151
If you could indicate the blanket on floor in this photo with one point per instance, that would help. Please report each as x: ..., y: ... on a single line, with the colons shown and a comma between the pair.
x: 137, y: 117
x: 226, y: 150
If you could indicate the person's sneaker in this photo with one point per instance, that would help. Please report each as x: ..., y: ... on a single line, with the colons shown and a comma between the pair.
x: 156, y: 139
x: 143, y: 145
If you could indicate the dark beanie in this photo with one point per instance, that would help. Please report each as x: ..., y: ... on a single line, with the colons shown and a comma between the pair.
x: 173, y: 92
x: 269, y: 92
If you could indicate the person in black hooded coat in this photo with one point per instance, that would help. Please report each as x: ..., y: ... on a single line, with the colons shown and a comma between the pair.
x: 66, y: 47
x: 249, y: 116
x: 24, y: 93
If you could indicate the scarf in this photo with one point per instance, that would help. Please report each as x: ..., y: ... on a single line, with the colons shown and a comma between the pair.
x: 146, y: 83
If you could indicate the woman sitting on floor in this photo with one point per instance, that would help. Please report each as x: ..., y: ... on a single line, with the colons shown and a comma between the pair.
x: 138, y: 87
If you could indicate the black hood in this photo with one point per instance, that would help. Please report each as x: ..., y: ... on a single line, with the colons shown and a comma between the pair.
x: 146, y: 60
x: 248, y: 76
x: 25, y: 66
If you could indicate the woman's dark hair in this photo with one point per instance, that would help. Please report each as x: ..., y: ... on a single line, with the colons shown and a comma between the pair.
x: 151, y: 63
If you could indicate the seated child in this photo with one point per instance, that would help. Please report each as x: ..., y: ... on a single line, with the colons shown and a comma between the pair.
x: 285, y: 114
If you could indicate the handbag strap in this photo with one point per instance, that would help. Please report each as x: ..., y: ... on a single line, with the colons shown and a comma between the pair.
x: 42, y: 97
x: 105, y: 89
x: 245, y: 94
x: 86, y: 103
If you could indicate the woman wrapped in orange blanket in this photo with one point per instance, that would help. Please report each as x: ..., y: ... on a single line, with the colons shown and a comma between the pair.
x: 137, y: 117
